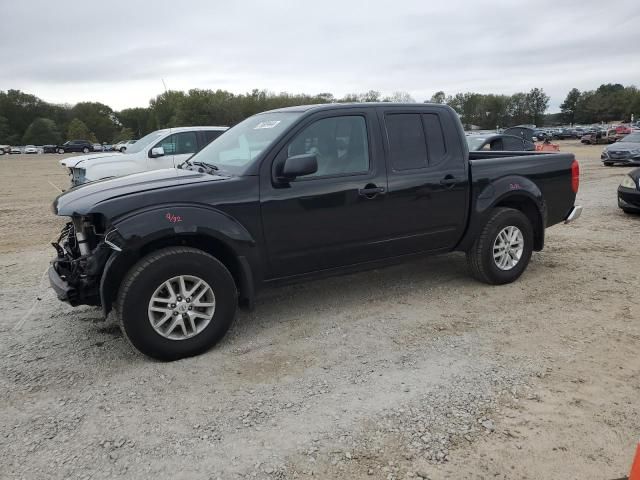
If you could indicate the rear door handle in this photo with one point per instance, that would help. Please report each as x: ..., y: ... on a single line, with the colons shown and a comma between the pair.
x: 370, y: 191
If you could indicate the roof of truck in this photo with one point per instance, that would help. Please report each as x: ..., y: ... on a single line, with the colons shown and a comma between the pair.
x: 332, y: 106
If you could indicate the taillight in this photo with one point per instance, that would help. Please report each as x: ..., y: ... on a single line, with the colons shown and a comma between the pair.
x: 575, y: 176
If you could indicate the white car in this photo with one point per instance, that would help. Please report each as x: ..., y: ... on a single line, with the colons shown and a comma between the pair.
x: 15, y: 150
x: 166, y: 148
x: 97, y: 147
x: 123, y: 146
x: 31, y: 149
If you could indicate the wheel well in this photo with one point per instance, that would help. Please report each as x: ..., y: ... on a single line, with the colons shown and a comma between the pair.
x: 212, y: 246
x: 531, y: 210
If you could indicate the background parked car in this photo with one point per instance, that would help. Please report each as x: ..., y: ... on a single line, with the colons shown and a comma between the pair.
x: 32, y: 149
x: 499, y: 142
x: 122, y: 147
x: 599, y: 137
x: 160, y: 149
x: 565, y: 133
x: 15, y: 150
x: 49, y: 149
x: 625, y: 151
x: 75, y: 146
x: 622, y: 131
x: 106, y: 147
x: 97, y: 147
x: 629, y: 192
x: 4, y: 149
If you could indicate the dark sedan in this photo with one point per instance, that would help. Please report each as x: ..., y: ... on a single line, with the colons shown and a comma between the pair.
x: 629, y: 192
x: 499, y: 142
x: 626, y: 151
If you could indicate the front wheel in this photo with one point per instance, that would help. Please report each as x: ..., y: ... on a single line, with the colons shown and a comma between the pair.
x: 176, y: 302
x: 503, y: 249
x: 61, y: 150
x: 85, y: 150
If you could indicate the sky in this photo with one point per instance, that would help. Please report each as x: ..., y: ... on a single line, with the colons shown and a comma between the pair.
x: 119, y: 52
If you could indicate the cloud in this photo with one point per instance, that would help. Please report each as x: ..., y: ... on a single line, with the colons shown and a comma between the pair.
x: 117, y: 52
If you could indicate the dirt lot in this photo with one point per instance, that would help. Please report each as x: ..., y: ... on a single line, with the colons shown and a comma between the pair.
x: 407, y: 372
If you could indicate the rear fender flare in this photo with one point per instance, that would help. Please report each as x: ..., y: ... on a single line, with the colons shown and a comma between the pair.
x: 506, y: 190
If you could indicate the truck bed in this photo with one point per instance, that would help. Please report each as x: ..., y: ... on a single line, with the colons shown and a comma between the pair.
x: 551, y: 173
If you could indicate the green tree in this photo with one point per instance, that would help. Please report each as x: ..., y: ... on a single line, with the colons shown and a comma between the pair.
x: 98, y: 118
x: 399, y: 97
x: 124, y: 134
x: 165, y: 108
x: 438, y: 97
x: 568, y: 108
x: 78, y: 130
x: 139, y: 120
x: 537, y: 104
x: 42, y: 131
x: 5, y: 131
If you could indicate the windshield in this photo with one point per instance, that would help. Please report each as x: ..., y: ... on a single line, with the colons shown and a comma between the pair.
x: 234, y: 150
x: 145, y: 141
x: 475, y: 142
x: 633, y: 138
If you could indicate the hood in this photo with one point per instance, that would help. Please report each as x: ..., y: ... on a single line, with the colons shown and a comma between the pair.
x: 84, y: 199
x: 74, y: 161
x: 623, y: 147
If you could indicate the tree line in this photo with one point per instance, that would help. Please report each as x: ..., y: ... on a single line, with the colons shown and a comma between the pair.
x: 27, y: 119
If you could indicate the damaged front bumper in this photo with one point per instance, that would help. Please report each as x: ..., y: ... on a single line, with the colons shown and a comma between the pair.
x: 74, y: 277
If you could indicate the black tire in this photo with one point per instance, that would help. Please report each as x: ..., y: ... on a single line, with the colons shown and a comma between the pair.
x: 147, y: 275
x: 61, y: 150
x: 85, y: 150
x: 630, y: 212
x: 480, y: 256
x: 608, y: 164
x: 123, y: 149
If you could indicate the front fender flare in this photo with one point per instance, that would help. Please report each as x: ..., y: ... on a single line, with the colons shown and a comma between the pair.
x: 141, y: 228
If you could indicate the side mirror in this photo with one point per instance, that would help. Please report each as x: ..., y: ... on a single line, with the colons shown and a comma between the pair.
x: 299, y: 166
x: 156, y: 152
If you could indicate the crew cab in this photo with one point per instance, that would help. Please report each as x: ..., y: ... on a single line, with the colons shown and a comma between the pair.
x: 160, y: 149
x: 297, y: 193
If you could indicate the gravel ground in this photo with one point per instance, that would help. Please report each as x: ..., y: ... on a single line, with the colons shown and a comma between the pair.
x: 414, y: 371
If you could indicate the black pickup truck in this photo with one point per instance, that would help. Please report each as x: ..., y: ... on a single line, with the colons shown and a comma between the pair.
x: 296, y: 193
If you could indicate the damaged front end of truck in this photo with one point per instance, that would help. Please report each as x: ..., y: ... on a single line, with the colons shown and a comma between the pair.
x: 83, y: 249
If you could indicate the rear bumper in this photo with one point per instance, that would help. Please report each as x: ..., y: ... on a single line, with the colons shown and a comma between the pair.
x: 574, y: 214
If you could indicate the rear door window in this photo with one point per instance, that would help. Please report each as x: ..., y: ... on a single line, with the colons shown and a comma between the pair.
x: 407, y: 143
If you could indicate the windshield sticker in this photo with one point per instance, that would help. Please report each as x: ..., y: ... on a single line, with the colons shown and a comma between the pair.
x: 269, y: 124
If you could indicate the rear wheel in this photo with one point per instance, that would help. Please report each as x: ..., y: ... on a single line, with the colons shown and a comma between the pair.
x: 85, y: 150
x: 61, y: 150
x: 176, y: 302
x: 503, y: 249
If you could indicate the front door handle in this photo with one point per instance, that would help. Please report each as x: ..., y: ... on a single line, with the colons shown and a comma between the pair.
x: 370, y: 191
x: 449, y: 181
